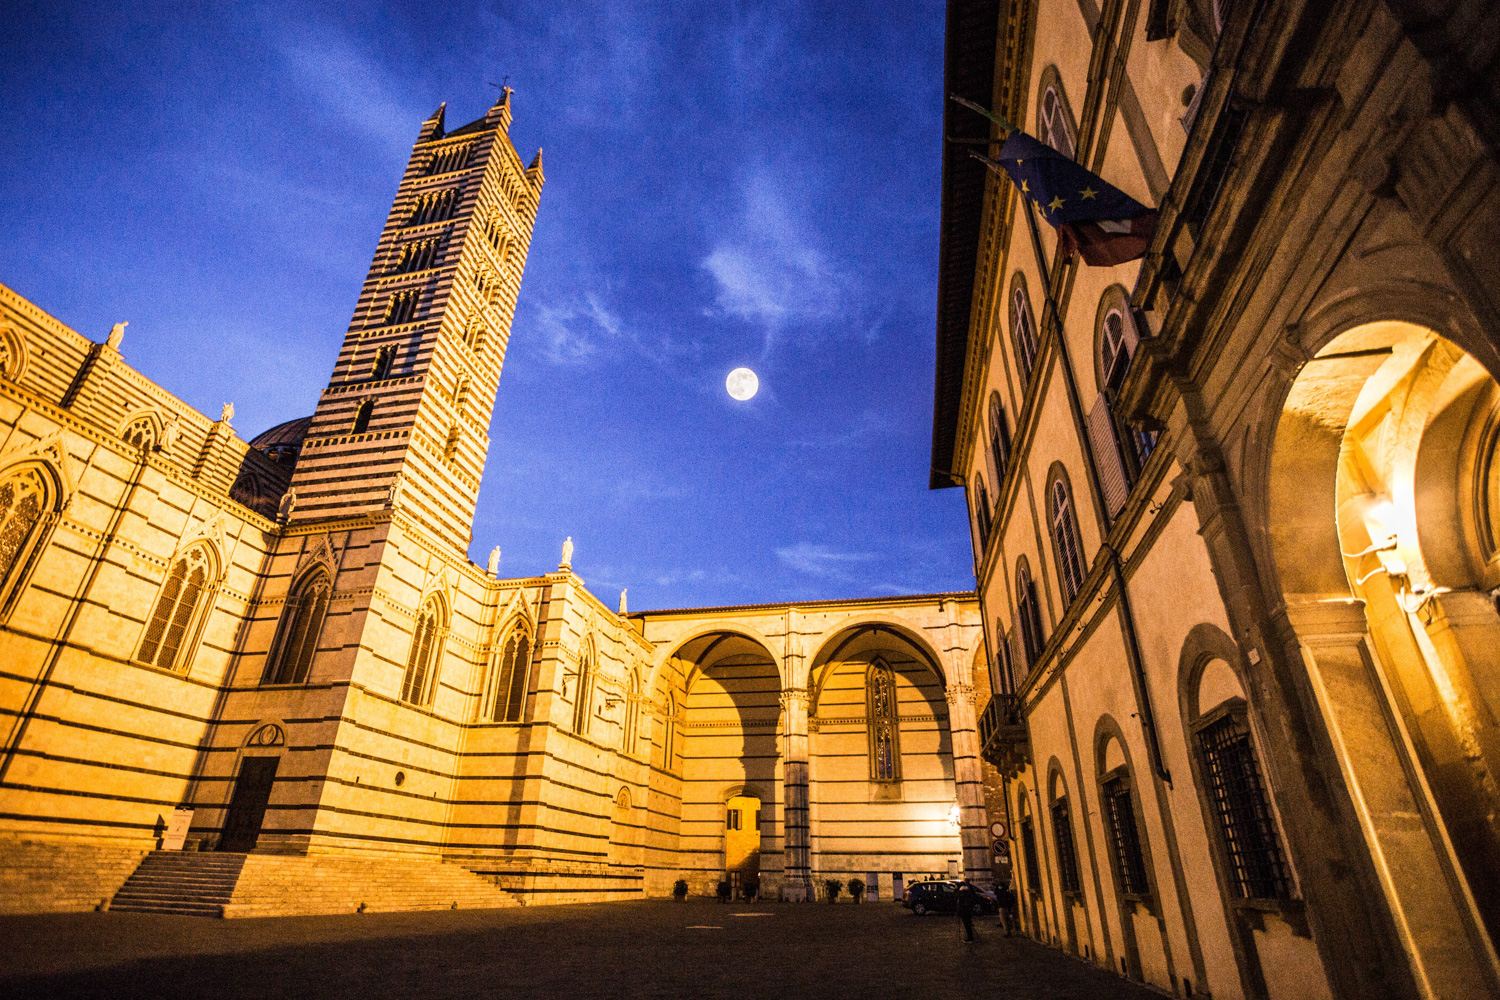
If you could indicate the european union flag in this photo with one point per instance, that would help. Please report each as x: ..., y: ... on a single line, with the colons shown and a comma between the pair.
x: 1091, y: 216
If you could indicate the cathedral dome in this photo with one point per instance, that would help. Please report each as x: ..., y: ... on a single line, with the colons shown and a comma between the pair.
x: 282, y: 443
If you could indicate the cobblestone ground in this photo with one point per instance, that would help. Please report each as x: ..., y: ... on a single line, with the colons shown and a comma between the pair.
x: 641, y: 949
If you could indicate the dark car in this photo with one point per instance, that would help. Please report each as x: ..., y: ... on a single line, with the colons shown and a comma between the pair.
x: 941, y: 896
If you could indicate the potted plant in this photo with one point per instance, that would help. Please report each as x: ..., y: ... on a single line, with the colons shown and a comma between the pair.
x: 725, y: 890
x: 857, y: 890
x: 834, y: 887
x: 679, y: 890
x: 751, y: 889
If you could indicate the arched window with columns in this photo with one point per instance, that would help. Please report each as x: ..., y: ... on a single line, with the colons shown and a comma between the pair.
x: 512, y: 678
x: 420, y: 682
x: 583, y: 696
x: 301, y: 627
x: 26, y: 496
x: 168, y: 640
x: 883, y: 722
x: 1029, y: 611
x: 1022, y: 329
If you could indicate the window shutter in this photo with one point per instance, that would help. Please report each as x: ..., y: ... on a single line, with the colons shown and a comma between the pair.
x: 1107, y: 455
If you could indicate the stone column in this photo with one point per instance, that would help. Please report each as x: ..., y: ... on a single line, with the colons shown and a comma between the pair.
x: 968, y: 784
x: 797, y: 864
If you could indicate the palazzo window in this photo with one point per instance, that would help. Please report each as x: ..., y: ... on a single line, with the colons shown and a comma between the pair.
x: 513, y: 681
x: 23, y: 498
x: 1054, y: 120
x: 1130, y: 860
x: 426, y: 649
x: 167, y: 641
x: 999, y: 441
x: 1028, y: 853
x: 1120, y: 448
x: 1029, y: 611
x: 1067, y: 853
x: 982, y: 514
x: 1065, y: 539
x: 883, y: 722
x: 1247, y: 828
x: 1005, y: 680
x: 301, y: 627
x: 1023, y: 331
x: 583, y: 697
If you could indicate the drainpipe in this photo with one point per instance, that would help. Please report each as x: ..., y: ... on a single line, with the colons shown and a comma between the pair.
x: 1127, y: 616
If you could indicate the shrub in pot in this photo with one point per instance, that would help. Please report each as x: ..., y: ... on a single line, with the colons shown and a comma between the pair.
x: 857, y: 890
x: 834, y: 887
x: 725, y: 890
x: 679, y: 890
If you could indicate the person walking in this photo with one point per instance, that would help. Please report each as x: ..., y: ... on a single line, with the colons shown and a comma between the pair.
x: 967, y: 898
x: 1005, y: 898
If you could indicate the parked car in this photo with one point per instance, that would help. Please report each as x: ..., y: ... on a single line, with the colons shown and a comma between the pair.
x: 941, y: 896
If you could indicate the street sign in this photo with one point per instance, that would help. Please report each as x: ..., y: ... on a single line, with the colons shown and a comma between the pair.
x: 997, y: 830
x: 1001, y: 849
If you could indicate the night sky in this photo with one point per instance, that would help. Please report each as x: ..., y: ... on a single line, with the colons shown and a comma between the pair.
x: 727, y: 184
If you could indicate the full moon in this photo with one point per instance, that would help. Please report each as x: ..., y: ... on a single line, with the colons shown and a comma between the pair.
x: 742, y: 383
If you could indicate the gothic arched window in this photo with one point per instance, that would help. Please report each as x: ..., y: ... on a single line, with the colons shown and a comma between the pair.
x: 632, y: 712
x: 583, y: 697
x: 1068, y: 548
x: 1029, y: 611
x: 999, y: 440
x: 426, y: 650
x: 1022, y: 330
x: 168, y: 639
x: 669, y: 736
x: 1054, y: 124
x: 301, y: 627
x: 511, y: 684
x: 24, y: 496
x: 362, y: 417
x: 882, y: 720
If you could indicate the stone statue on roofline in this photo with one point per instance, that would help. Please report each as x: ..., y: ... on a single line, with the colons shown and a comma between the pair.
x: 288, y: 504
x: 567, y: 554
x: 494, y: 566
x: 116, y: 334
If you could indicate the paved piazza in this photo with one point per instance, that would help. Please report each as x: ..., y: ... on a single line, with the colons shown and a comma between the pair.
x: 648, y: 949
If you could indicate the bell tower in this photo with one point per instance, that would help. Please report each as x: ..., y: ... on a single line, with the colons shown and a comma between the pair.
x: 404, y: 421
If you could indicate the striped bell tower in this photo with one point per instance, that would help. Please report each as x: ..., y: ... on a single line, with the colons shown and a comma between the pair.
x: 404, y: 421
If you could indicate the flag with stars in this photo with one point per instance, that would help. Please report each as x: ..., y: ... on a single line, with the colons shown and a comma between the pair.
x: 1091, y: 217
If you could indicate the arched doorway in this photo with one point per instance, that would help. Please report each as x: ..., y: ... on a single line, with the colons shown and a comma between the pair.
x: 1383, y: 499
x: 742, y: 841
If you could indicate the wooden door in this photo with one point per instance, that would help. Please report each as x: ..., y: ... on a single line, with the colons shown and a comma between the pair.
x: 247, y: 808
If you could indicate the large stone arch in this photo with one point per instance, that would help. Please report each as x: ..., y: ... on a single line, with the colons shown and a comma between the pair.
x: 1335, y: 521
x: 671, y: 649
x: 824, y: 645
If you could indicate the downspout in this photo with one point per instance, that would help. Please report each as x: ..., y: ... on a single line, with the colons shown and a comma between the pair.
x: 1127, y: 615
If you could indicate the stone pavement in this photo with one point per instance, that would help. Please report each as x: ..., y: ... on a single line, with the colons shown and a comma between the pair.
x: 650, y: 948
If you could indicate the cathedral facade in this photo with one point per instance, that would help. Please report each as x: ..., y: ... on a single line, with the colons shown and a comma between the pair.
x: 1233, y: 503
x: 280, y: 646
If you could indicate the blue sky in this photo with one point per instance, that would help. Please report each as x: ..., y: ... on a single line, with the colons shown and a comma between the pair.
x: 727, y: 184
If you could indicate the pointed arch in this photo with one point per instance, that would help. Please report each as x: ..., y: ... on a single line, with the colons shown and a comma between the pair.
x: 142, y: 430
x: 301, y: 627
x: 14, y: 355
x: 882, y: 722
x: 419, y: 682
x: 583, y: 691
x: 29, y: 504
x: 513, y: 674
x: 182, y: 605
x: 362, y: 414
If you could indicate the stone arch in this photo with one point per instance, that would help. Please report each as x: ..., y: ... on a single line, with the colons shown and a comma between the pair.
x: 1204, y: 644
x: 31, y: 492
x: 1361, y: 614
x: 912, y: 634
x: 142, y: 430
x: 712, y: 628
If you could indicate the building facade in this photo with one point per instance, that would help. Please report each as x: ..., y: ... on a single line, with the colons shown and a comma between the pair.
x: 1231, y: 503
x: 281, y: 646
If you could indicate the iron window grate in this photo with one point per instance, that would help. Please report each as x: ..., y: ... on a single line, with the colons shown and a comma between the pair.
x: 1067, y: 856
x: 1127, y: 841
x: 1244, y: 813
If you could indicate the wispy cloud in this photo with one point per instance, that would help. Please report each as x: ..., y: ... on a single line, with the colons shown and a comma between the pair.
x: 575, y: 331
x: 769, y: 268
x: 866, y: 425
x: 352, y: 84
x: 820, y: 560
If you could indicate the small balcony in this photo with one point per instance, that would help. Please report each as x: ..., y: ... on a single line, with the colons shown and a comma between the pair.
x: 1003, y: 737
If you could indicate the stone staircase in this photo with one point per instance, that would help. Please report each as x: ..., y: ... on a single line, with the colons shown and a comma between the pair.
x: 183, y: 882
x: 273, y: 885
x: 57, y: 876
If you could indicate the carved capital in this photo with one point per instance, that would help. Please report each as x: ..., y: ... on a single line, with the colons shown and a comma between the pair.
x: 794, y: 696
x: 960, y: 693
x: 1288, y: 352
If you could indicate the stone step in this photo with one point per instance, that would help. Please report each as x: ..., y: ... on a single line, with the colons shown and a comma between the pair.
x: 180, y: 882
x: 39, y: 876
